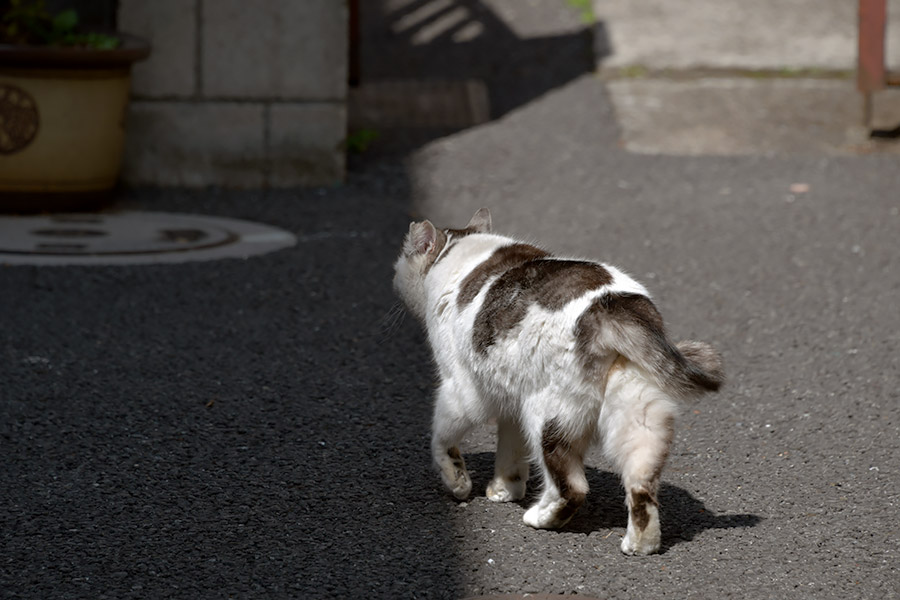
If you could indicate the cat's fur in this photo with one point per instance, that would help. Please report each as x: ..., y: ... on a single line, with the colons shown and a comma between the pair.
x: 561, y: 353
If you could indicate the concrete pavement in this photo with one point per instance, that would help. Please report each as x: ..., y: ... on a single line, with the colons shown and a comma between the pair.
x: 733, y: 77
x: 730, y: 34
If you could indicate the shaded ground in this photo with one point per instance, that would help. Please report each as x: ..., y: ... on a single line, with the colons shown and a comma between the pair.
x: 219, y: 429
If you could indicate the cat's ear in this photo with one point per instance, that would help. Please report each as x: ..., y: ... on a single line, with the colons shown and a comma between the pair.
x: 481, y: 222
x: 422, y: 236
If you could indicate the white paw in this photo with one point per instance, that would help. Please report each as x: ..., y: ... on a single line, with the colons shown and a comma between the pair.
x: 454, y: 474
x: 542, y: 517
x: 642, y: 536
x: 532, y: 517
x: 501, y: 490
x: 461, y: 486
x: 639, y: 547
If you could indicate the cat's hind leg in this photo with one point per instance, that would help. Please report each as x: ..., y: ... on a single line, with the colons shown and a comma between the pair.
x: 511, y: 464
x: 449, y: 425
x: 636, y: 423
x: 561, y: 457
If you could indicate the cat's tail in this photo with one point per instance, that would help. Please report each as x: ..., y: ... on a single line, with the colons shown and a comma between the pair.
x: 702, y: 367
x: 631, y: 325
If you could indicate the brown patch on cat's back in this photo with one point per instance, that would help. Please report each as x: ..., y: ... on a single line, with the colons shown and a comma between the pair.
x: 558, y: 282
x: 500, y: 261
x: 550, y: 283
x: 498, y: 314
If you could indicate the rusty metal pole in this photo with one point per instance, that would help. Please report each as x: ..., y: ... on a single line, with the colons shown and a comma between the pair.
x: 870, y: 74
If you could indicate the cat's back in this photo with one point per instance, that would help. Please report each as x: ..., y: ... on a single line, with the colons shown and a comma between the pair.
x: 465, y: 254
x: 464, y: 251
x: 485, y: 267
x: 494, y: 285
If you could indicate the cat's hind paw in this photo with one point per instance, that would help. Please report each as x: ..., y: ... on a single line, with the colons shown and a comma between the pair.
x: 502, y: 490
x: 643, y: 535
x: 546, y: 516
x: 640, y: 542
x: 639, y: 547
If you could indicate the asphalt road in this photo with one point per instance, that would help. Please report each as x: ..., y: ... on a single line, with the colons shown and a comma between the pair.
x: 259, y: 428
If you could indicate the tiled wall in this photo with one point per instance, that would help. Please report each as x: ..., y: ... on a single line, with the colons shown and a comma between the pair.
x: 237, y: 93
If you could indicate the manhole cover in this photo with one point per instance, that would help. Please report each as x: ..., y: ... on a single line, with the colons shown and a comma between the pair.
x: 132, y: 238
x: 528, y: 596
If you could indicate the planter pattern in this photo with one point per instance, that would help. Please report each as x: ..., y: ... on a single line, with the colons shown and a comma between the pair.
x: 62, y: 123
x: 19, y: 120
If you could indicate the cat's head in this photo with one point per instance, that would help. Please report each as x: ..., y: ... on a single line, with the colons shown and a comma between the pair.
x: 422, y: 246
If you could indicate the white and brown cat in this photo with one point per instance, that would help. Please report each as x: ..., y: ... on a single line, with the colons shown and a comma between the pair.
x: 562, y: 353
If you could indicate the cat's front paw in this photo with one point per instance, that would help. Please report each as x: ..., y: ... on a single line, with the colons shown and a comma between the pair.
x: 454, y: 473
x: 457, y: 480
x: 502, y: 490
x: 462, y: 487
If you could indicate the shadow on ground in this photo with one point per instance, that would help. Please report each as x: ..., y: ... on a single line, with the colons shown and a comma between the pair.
x: 682, y: 515
x: 464, y: 40
x: 886, y: 134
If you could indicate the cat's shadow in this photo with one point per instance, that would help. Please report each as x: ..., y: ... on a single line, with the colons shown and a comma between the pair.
x: 683, y: 515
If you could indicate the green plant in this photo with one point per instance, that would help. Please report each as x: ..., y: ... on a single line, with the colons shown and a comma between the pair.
x: 634, y: 72
x: 29, y: 22
x: 359, y: 141
x: 585, y: 9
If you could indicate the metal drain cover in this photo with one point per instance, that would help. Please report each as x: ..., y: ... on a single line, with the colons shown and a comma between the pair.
x: 132, y: 238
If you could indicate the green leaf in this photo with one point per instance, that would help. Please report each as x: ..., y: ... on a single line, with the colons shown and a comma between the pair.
x: 105, y: 42
x: 65, y: 21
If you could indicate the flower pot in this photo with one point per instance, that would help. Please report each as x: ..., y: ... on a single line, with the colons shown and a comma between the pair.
x: 62, y: 123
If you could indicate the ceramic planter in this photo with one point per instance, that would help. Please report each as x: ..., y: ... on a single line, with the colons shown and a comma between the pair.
x: 62, y: 123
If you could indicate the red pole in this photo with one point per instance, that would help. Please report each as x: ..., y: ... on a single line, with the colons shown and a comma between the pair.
x: 870, y: 67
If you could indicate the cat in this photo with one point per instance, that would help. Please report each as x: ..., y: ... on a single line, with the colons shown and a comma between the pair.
x: 561, y: 353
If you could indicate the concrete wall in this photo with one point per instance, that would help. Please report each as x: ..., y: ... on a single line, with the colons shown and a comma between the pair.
x: 237, y: 93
